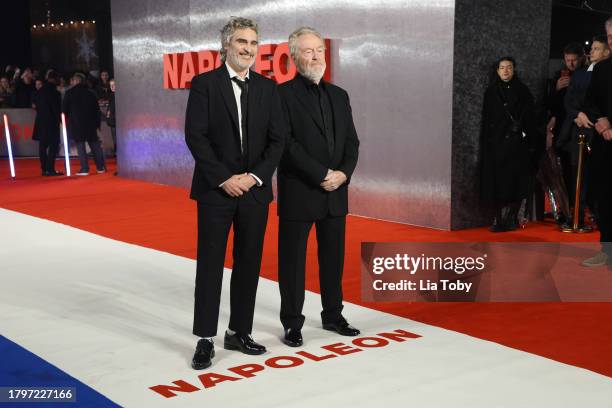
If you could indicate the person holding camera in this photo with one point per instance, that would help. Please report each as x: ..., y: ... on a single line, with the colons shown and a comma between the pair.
x: 506, y: 145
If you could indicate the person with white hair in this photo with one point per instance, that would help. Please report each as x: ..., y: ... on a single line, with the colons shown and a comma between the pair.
x: 320, y: 155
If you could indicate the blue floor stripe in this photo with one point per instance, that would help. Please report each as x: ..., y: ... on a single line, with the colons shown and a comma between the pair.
x: 21, y: 368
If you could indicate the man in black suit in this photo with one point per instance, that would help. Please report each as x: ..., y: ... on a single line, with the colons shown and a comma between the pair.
x: 569, y: 132
x: 597, y: 114
x: 234, y: 130
x: 83, y: 116
x: 320, y: 156
x: 48, y: 104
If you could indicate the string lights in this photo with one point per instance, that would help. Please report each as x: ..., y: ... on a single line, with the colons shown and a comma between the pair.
x: 63, y: 24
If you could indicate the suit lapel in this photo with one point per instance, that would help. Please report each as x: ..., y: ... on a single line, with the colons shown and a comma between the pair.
x: 336, y: 101
x: 302, y: 95
x: 225, y: 85
x: 254, y: 103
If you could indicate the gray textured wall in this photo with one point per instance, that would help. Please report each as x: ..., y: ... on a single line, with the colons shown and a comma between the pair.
x: 392, y: 56
x: 484, y: 31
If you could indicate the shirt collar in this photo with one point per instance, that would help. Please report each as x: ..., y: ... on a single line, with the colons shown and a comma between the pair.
x: 591, y: 67
x: 309, y: 84
x: 233, y: 73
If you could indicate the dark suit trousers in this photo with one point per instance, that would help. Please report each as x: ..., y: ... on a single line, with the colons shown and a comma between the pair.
x: 249, y: 219
x: 47, y: 152
x: 292, y: 243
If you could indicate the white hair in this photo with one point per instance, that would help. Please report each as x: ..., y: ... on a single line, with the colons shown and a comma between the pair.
x: 297, y: 34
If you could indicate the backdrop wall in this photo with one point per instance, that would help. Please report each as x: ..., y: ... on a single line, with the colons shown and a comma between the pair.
x: 395, y: 59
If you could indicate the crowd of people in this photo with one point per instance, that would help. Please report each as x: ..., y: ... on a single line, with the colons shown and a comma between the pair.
x: 86, y: 99
x: 514, y: 153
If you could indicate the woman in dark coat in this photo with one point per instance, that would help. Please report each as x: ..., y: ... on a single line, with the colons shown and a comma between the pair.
x: 47, y: 102
x: 507, y: 140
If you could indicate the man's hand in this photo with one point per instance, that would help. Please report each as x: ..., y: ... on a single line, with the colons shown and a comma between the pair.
x: 333, y: 180
x: 247, y: 182
x: 582, y: 120
x: 607, y: 135
x: 233, y: 185
x: 602, y: 125
x: 563, y: 82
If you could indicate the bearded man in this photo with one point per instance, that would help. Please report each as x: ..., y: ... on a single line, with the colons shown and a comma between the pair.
x: 320, y: 155
x: 234, y: 130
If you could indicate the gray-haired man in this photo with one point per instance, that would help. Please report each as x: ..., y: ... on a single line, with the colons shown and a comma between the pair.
x: 233, y: 128
x: 313, y: 177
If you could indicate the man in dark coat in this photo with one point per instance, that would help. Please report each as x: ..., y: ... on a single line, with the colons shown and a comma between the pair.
x: 320, y: 155
x: 83, y: 121
x: 47, y: 101
x: 234, y: 130
x: 597, y: 114
x: 568, y: 135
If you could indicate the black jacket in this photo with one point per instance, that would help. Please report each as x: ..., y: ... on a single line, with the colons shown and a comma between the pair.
x: 306, y: 158
x: 213, y: 136
x: 82, y: 113
x: 48, y: 102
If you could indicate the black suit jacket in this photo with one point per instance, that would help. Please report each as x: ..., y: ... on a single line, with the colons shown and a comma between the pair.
x: 306, y: 158
x: 213, y: 136
x: 82, y: 113
x: 48, y: 102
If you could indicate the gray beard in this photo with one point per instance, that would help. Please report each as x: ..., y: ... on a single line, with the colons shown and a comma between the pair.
x: 313, y: 75
x: 234, y: 60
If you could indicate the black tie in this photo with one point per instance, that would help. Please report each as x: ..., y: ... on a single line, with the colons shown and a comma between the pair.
x: 244, y: 96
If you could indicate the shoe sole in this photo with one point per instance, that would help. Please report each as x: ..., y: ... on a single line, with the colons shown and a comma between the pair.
x: 196, y: 366
x: 232, y: 347
x: 589, y: 265
x: 293, y: 344
x: 342, y: 334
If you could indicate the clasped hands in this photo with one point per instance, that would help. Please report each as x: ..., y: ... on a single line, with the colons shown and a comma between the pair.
x: 238, y: 184
x: 602, y: 125
x: 333, y: 180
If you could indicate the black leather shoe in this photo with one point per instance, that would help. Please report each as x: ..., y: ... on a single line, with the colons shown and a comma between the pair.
x: 205, y: 351
x: 55, y: 173
x: 293, y: 338
x: 45, y: 173
x: 342, y: 327
x: 244, y: 343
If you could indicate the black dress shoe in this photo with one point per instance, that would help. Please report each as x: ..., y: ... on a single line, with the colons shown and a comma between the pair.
x: 45, y: 173
x: 293, y: 338
x: 342, y: 327
x: 244, y: 343
x: 55, y: 173
x: 205, y: 351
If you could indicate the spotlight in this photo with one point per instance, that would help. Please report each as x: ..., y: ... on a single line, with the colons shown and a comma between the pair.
x: 94, y: 21
x: 62, y: 24
x: 43, y: 25
x: 34, y: 26
x: 71, y: 22
x: 586, y: 43
x: 52, y: 25
x: 82, y: 22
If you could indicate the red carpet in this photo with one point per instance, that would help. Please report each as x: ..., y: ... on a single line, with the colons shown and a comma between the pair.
x: 163, y: 218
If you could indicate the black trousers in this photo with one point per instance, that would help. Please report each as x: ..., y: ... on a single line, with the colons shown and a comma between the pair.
x: 292, y: 243
x: 249, y: 219
x: 47, y: 153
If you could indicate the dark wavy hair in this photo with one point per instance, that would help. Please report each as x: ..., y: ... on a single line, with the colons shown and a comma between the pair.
x: 493, y: 77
